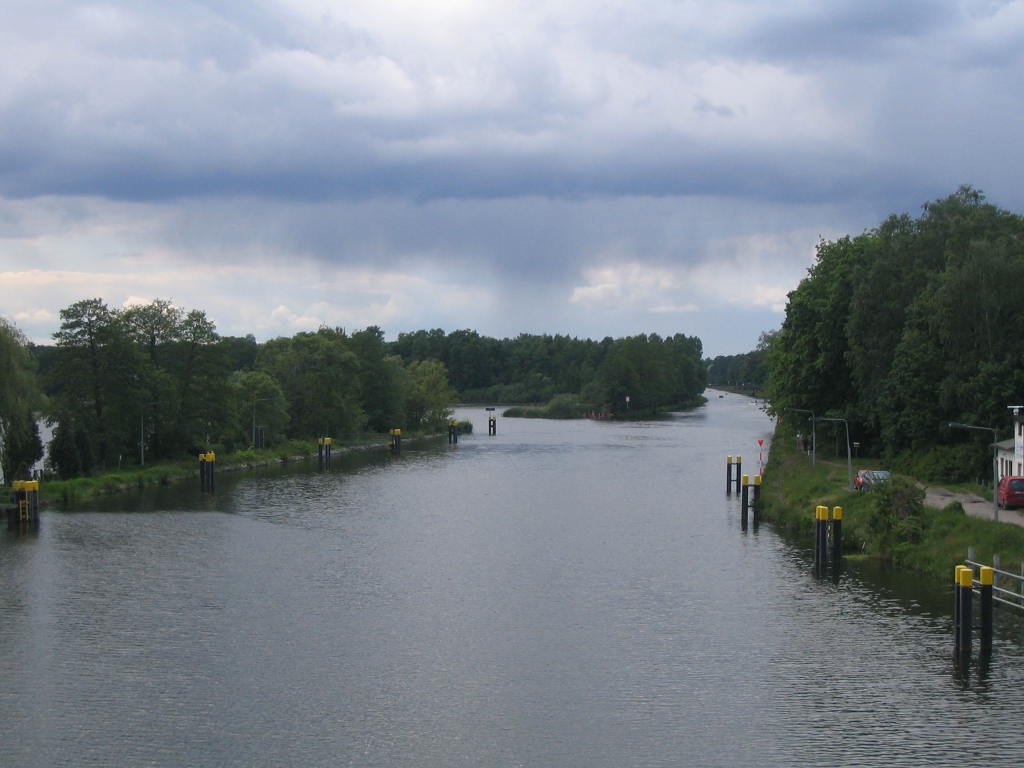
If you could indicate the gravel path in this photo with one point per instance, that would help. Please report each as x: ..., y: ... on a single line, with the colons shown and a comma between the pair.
x: 973, y: 505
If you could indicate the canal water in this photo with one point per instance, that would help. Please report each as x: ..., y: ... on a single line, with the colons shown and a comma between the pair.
x: 561, y: 594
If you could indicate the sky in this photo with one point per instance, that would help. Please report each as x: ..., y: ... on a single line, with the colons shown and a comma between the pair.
x: 598, y: 168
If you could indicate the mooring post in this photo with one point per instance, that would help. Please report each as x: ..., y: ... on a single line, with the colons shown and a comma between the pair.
x: 966, y: 590
x: 396, y: 440
x: 820, y: 537
x: 206, y: 464
x: 492, y: 425
x: 728, y: 475
x: 956, y: 611
x: 323, y: 452
x: 837, y: 536
x: 739, y: 465
x: 744, y: 501
x: 756, y: 504
x: 987, y: 583
x: 453, y: 432
x: 25, y: 494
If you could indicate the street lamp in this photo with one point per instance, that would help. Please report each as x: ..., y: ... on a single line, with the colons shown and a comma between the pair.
x: 995, y: 462
x: 849, y: 456
x: 814, y: 447
x: 142, y: 429
x: 256, y: 400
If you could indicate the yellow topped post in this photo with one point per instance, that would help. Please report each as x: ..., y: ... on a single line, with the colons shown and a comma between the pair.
x: 987, y: 579
x: 965, y: 577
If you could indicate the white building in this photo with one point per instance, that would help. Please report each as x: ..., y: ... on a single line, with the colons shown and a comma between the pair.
x: 1010, y: 453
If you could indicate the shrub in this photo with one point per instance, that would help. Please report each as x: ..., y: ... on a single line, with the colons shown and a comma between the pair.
x: 896, y: 515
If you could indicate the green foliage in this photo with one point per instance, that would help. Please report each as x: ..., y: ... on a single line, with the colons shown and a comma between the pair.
x: 158, y: 378
x: 946, y: 463
x: 20, y: 396
x: 890, y: 523
x: 747, y: 372
x: 255, y: 399
x: 895, y: 518
x: 562, y: 406
x: 319, y: 376
x: 909, y: 326
x: 655, y: 373
x: 429, y: 395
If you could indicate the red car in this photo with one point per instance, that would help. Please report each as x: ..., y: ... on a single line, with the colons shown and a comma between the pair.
x: 1011, y: 491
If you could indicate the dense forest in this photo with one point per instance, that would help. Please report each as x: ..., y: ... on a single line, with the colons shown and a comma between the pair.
x: 654, y: 372
x: 746, y: 372
x: 908, y: 327
x: 156, y: 381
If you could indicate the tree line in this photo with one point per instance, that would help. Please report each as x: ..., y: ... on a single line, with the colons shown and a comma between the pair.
x: 908, y: 327
x: 747, y: 371
x: 156, y: 381
x: 655, y: 373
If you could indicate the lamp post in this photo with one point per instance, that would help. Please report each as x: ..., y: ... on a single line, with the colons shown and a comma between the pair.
x: 256, y: 400
x: 995, y: 462
x: 142, y: 429
x: 849, y: 456
x: 814, y: 447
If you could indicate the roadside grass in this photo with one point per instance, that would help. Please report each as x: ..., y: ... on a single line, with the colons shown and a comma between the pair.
x: 81, y: 489
x: 892, y: 525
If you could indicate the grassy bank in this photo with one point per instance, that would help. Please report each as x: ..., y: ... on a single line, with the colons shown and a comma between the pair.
x: 81, y: 489
x: 891, y: 524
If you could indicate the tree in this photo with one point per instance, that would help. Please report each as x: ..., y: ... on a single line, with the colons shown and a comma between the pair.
x: 909, y: 326
x: 99, y: 380
x: 255, y: 400
x: 319, y: 374
x: 20, y: 446
x: 381, y: 380
x: 430, y: 395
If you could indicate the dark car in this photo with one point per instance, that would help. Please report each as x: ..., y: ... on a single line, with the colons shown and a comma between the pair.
x: 1011, y: 491
x: 868, y: 478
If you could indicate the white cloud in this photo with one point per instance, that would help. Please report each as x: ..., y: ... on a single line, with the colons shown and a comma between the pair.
x: 448, y: 164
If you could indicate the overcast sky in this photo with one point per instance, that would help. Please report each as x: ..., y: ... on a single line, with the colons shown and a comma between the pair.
x: 579, y: 167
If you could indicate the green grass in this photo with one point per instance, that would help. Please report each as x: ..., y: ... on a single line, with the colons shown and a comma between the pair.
x: 925, y: 540
x: 81, y: 489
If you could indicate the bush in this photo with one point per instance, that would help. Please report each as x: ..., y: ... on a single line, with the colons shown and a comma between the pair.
x: 564, y: 407
x: 896, y: 515
x: 946, y: 463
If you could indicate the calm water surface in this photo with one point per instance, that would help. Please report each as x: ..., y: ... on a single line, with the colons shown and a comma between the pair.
x: 562, y: 594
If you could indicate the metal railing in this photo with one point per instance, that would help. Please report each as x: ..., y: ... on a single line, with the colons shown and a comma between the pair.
x: 1002, y: 580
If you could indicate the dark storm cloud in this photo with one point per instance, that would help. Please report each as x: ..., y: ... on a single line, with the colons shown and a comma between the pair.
x: 574, y: 165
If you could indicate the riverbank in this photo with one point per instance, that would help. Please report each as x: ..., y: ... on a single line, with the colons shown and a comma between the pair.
x: 896, y: 524
x: 81, y: 489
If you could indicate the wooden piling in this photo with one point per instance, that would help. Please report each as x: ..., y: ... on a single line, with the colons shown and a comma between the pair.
x: 965, y: 592
x: 987, y: 585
